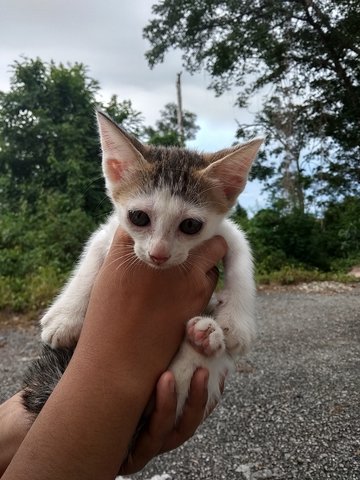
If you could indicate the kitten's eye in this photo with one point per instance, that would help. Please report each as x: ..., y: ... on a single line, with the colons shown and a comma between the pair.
x: 139, y: 218
x: 190, y: 226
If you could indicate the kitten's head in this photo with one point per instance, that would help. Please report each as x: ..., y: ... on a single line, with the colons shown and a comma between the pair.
x: 170, y: 199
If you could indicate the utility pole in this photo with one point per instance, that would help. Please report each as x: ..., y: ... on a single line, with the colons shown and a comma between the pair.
x: 180, y: 123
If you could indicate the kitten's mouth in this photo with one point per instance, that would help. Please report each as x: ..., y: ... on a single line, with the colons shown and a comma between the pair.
x: 163, y: 264
x: 158, y: 265
x: 158, y: 261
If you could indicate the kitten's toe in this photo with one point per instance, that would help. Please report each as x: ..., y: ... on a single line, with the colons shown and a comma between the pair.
x: 59, y: 336
x: 205, y: 336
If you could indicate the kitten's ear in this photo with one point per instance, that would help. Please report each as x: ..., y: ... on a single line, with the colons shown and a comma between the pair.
x: 230, y: 168
x: 119, y: 154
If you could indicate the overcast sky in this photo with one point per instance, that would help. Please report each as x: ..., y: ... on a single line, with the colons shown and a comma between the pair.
x: 107, y: 37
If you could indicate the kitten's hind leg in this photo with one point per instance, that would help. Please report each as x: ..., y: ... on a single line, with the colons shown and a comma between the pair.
x: 203, y: 347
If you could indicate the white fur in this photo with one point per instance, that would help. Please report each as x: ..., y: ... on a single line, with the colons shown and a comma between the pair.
x: 209, y: 342
x: 234, y: 316
x: 233, y: 327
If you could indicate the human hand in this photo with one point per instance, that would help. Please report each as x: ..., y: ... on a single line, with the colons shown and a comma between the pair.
x: 153, y: 305
x: 161, y: 434
x: 160, y: 289
x: 139, y: 314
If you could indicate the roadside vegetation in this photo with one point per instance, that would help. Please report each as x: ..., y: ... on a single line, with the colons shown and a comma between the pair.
x: 52, y: 194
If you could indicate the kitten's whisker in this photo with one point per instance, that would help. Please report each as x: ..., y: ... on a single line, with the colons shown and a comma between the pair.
x: 117, y: 258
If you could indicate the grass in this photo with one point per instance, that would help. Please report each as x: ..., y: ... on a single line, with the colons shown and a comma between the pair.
x: 289, y: 275
x: 34, y: 292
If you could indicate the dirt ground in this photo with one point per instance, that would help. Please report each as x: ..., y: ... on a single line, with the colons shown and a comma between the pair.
x: 291, y: 411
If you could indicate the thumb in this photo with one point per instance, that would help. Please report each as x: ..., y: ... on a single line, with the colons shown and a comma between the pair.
x: 209, y: 253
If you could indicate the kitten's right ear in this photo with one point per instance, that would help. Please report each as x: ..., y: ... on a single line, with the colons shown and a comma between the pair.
x: 119, y: 155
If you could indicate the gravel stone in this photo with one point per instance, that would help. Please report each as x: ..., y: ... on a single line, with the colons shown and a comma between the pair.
x: 291, y: 410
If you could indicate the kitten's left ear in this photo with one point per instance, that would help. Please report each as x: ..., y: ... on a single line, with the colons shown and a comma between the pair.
x: 231, y: 170
x: 121, y: 153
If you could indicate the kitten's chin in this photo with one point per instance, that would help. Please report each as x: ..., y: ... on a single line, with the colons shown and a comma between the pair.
x: 161, y: 266
x: 157, y: 266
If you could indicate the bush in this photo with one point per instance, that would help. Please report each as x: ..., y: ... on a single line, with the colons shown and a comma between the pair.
x: 38, y: 247
x: 286, y: 241
x: 289, y: 275
x: 32, y: 292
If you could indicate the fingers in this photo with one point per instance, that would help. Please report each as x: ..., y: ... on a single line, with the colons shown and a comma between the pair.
x: 162, y: 434
x: 213, y: 275
x: 193, y: 413
x: 209, y: 253
x: 122, y: 245
x: 162, y: 421
x: 121, y: 239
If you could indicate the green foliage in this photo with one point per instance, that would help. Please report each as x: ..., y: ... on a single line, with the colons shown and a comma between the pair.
x: 52, y: 193
x: 32, y: 291
x: 166, y: 132
x: 51, y: 185
x: 49, y: 137
x: 292, y: 242
x: 312, y: 47
x: 38, y: 249
x: 123, y: 113
x: 290, y: 275
x: 342, y: 225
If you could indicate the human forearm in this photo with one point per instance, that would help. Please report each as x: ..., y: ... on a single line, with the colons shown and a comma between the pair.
x: 85, y: 421
x: 132, y: 329
x: 93, y: 412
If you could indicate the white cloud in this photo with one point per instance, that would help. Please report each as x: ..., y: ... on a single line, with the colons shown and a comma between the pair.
x: 107, y: 37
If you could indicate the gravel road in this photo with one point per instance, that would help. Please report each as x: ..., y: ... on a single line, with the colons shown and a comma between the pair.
x: 291, y: 411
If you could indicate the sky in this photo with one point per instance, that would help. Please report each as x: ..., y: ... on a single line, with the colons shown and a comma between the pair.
x: 107, y: 37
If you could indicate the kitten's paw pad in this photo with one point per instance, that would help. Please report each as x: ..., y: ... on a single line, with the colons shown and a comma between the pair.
x: 60, y: 335
x: 205, y: 336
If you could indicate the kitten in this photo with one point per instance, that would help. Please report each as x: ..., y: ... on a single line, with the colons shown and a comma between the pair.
x: 185, y: 197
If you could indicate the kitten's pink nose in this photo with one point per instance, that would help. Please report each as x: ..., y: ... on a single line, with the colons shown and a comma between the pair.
x: 159, y: 260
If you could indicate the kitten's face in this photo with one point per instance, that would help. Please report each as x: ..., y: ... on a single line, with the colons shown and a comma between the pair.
x: 170, y: 200
x: 165, y: 227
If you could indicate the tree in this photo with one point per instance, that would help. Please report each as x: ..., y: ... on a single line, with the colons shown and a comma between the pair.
x: 51, y: 187
x: 123, y: 113
x: 52, y: 193
x: 49, y: 139
x: 166, y: 131
x: 314, y: 44
x: 287, y: 166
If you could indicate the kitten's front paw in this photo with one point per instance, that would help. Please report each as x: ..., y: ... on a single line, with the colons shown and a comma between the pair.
x: 205, y: 336
x: 59, y: 332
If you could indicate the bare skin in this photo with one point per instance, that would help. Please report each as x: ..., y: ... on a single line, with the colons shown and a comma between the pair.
x: 84, y: 430
x: 13, y: 427
x: 160, y: 435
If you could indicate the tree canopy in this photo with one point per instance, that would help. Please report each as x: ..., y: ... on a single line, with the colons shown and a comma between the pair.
x: 313, y: 45
x: 51, y: 187
x: 166, y: 131
x: 52, y: 194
